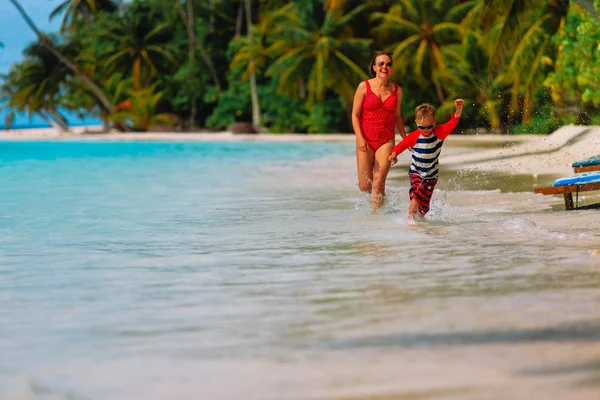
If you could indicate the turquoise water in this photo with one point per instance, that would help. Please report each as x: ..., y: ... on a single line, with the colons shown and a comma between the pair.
x: 252, y: 270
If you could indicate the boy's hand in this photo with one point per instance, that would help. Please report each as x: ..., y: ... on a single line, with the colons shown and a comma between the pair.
x: 458, y: 103
x: 393, y: 158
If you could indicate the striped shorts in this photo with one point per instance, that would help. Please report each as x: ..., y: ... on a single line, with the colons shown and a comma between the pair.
x: 421, y: 189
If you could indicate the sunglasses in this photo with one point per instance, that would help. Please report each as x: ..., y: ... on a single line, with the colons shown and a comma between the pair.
x: 387, y: 64
x: 424, y: 128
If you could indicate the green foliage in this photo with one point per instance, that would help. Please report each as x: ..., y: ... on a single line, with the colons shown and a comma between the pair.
x: 280, y: 113
x: 140, y: 110
x: 544, y: 121
x: 308, y: 58
x: 86, y: 10
x: 424, y: 38
x: 234, y: 105
x: 316, y: 53
x: 188, y: 84
x: 575, y: 82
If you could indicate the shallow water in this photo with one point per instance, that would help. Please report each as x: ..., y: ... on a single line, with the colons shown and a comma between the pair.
x: 253, y: 271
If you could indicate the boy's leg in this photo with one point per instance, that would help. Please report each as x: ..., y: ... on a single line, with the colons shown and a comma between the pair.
x: 420, y: 196
x: 414, y: 215
x: 413, y: 207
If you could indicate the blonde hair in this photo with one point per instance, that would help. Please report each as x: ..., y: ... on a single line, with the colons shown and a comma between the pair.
x: 424, y: 110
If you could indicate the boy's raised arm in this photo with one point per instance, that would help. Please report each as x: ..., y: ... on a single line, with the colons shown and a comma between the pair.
x: 444, y: 130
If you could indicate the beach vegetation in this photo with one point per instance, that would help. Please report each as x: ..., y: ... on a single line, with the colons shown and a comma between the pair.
x: 139, y: 111
x: 574, y: 81
x: 520, y: 66
x: 424, y: 38
x: 85, y: 10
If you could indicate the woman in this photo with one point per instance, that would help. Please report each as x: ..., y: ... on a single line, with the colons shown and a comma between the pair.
x: 375, y: 114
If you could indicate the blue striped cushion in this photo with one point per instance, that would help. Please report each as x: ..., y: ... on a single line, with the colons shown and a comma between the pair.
x: 579, y: 179
x: 590, y: 161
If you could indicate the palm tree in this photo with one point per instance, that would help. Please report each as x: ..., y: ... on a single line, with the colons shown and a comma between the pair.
x: 256, y: 51
x: 8, y: 88
x: 188, y: 21
x: 94, y: 88
x: 525, y: 69
x: 319, y: 49
x: 475, y: 84
x: 136, y: 43
x: 253, y: 90
x: 41, y: 80
x: 73, y: 10
x: 522, y: 48
x: 513, y: 13
x: 430, y: 34
x: 28, y: 87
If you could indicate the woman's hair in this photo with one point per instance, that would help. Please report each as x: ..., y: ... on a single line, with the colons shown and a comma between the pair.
x: 424, y: 110
x: 375, y: 55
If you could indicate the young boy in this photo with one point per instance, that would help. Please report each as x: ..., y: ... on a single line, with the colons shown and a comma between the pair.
x: 426, y: 143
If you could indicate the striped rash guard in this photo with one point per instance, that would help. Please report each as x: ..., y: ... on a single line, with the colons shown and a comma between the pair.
x: 426, y: 149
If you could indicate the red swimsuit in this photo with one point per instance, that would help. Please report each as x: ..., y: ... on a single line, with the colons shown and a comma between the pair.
x: 377, y: 122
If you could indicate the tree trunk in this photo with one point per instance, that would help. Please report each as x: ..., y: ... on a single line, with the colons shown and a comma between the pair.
x: 54, y: 120
x: 238, y: 21
x: 439, y: 91
x: 527, y: 107
x: 100, y: 96
x: 253, y: 90
x: 302, y: 88
x: 588, y: 5
x: 48, y: 120
x: 201, y: 49
x: 60, y: 121
x: 9, y: 120
x: 192, y: 58
x: 211, y: 19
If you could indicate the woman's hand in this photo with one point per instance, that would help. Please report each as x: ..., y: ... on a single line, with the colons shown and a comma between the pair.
x: 393, y: 158
x: 361, y: 144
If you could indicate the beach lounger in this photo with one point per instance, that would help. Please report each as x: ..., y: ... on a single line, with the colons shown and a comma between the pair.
x: 591, y: 164
x: 566, y: 186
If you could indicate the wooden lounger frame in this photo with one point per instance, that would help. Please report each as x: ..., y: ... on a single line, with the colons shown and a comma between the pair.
x: 568, y: 190
x: 587, y: 168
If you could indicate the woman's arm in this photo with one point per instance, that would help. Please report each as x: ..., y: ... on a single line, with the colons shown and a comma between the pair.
x: 359, y: 97
x: 399, y: 121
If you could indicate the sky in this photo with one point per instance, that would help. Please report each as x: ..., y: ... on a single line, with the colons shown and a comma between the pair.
x: 14, y: 32
x: 16, y: 35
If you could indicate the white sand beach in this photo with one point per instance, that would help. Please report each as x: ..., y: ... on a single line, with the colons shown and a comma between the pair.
x: 552, y: 154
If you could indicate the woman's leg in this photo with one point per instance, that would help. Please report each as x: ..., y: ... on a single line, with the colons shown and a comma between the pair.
x: 364, y: 164
x: 380, y: 172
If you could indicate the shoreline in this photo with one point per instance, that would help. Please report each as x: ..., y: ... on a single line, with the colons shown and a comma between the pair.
x: 93, y: 133
x: 513, y: 154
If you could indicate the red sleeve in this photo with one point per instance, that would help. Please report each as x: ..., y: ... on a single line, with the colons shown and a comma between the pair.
x: 442, y: 131
x: 409, y: 141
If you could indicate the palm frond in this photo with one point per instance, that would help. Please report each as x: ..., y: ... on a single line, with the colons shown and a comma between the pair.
x: 462, y: 10
x: 529, y: 40
x: 419, y: 61
x: 447, y: 32
x: 399, y: 50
